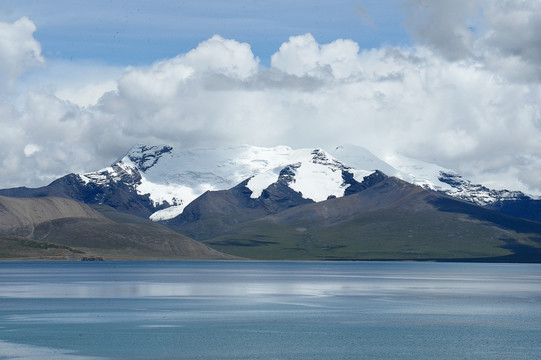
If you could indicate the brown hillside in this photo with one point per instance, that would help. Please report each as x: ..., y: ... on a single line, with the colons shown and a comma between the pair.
x: 20, y: 216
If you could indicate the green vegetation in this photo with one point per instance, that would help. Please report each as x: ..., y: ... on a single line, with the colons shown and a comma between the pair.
x: 19, y: 248
x: 383, y: 234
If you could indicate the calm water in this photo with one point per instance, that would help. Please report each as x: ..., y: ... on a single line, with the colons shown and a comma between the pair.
x: 269, y: 310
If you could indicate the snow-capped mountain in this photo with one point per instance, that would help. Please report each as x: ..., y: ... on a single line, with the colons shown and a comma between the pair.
x: 437, y: 178
x: 284, y: 203
x: 159, y: 181
x: 173, y: 179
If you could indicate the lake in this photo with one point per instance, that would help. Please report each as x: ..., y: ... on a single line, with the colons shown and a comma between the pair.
x: 269, y: 310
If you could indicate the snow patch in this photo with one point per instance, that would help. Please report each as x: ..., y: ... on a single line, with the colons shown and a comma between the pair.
x: 85, y: 179
x: 359, y: 175
x: 419, y: 172
x: 260, y: 182
x: 175, y: 195
x: 317, y: 174
x: 437, y: 178
x: 317, y: 182
x: 166, y: 214
x: 360, y: 159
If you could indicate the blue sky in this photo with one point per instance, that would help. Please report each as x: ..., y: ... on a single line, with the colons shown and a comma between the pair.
x: 140, y: 32
x: 452, y: 82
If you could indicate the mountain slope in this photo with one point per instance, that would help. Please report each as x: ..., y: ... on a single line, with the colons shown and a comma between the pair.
x: 390, y: 220
x: 58, y: 228
x: 216, y: 212
x: 525, y: 208
x: 20, y: 216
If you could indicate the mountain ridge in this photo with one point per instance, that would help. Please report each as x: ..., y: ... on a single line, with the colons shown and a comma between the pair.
x: 391, y: 220
x: 158, y: 182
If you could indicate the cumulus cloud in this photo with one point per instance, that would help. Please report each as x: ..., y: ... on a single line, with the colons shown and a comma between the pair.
x: 18, y: 50
x: 303, y: 56
x: 224, y: 56
x: 455, y: 107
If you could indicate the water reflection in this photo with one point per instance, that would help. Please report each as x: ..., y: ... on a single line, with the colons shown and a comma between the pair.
x: 259, y: 283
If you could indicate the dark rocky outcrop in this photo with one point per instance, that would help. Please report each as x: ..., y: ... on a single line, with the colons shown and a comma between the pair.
x: 91, y: 258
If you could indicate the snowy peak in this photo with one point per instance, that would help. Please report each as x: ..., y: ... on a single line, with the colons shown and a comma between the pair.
x: 419, y: 172
x: 119, y: 172
x: 313, y: 173
x: 476, y: 193
x: 129, y: 168
x: 172, y: 179
x: 144, y: 157
x: 434, y: 177
x: 320, y: 157
x: 357, y: 157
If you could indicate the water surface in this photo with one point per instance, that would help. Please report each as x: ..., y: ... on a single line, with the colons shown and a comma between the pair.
x: 269, y: 310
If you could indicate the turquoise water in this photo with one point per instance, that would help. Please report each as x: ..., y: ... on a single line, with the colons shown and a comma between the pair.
x: 269, y: 310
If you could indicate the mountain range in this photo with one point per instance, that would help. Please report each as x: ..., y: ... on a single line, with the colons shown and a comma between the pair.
x: 283, y: 203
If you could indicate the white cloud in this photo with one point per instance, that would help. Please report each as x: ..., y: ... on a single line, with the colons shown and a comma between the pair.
x: 224, y: 56
x: 18, y: 50
x: 31, y: 149
x: 88, y: 94
x: 461, y: 111
x: 302, y: 56
x: 158, y: 84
